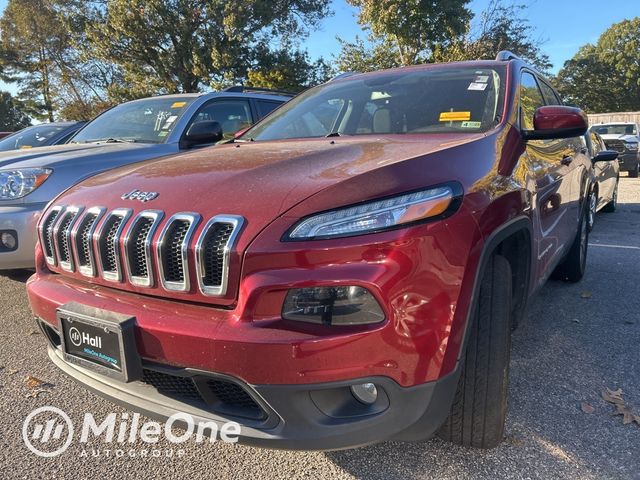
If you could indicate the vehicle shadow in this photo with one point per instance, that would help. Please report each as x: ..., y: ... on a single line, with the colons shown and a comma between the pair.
x: 17, y: 275
x: 577, y: 340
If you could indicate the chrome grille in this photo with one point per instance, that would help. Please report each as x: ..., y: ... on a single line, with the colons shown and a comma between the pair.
x: 617, y: 145
x: 173, y: 249
x: 138, y: 247
x: 46, y: 235
x: 62, y: 237
x: 212, y: 253
x: 104, y: 243
x: 108, y: 243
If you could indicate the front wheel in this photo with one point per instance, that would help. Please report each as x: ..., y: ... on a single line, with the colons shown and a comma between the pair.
x: 634, y: 173
x: 480, y: 405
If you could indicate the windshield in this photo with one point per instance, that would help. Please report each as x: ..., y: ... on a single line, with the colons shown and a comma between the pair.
x: 145, y: 121
x: 30, y: 137
x: 434, y: 100
x: 621, y: 129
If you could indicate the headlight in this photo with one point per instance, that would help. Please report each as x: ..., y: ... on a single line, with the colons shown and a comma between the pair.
x: 631, y: 145
x: 384, y: 214
x: 20, y: 182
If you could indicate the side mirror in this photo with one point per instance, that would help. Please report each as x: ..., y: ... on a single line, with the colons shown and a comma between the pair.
x: 202, y: 133
x: 557, y: 121
x: 605, y: 156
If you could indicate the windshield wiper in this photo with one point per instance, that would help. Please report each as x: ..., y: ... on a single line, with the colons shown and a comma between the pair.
x: 119, y: 140
x: 333, y: 134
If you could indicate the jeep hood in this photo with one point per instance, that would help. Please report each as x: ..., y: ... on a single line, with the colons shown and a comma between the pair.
x: 262, y: 180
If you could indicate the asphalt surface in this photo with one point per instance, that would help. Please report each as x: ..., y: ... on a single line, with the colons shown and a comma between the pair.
x: 577, y: 340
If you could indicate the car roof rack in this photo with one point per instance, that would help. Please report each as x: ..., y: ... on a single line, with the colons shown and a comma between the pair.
x: 506, y: 55
x: 269, y: 91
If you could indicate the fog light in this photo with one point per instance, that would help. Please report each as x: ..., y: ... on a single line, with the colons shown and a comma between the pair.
x: 366, y: 393
x: 349, y: 305
x: 8, y: 240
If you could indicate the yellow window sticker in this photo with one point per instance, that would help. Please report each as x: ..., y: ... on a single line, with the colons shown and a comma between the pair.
x: 178, y: 104
x: 455, y: 116
x: 25, y: 147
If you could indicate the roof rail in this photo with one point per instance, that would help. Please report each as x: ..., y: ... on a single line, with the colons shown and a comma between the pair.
x: 506, y: 55
x: 343, y: 75
x: 243, y: 89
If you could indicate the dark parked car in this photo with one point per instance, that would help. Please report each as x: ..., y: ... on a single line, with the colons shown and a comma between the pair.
x: 606, y: 172
x: 347, y: 271
x: 131, y: 132
x: 42, y: 135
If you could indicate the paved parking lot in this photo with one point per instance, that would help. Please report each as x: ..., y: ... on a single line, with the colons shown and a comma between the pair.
x: 578, y: 340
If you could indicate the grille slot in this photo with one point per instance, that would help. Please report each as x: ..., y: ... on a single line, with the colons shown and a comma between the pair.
x: 212, y: 253
x: 62, y: 236
x: 173, y: 251
x: 138, y: 247
x: 46, y: 235
x: 109, y: 244
x: 215, y: 394
x: 82, y: 240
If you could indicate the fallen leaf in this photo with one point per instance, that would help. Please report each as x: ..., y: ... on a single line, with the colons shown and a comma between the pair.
x: 33, y: 382
x: 33, y: 332
x: 36, y: 393
x: 613, y: 396
x: 515, y: 441
x: 12, y: 371
x: 586, y: 407
x: 586, y: 294
x: 627, y: 414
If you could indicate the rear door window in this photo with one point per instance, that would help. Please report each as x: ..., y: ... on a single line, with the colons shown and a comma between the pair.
x: 265, y: 107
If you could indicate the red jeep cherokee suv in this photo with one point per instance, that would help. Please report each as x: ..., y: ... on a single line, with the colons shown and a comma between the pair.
x: 347, y: 271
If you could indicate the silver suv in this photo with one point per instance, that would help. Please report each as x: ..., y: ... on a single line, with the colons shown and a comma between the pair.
x: 131, y: 132
x: 624, y: 138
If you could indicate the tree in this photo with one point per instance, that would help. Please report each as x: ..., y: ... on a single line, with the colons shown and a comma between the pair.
x: 12, y: 114
x: 413, y: 27
x: 290, y: 71
x: 605, y: 77
x: 167, y: 46
x: 500, y: 27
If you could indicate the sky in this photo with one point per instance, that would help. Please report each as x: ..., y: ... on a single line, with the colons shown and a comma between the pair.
x: 564, y: 25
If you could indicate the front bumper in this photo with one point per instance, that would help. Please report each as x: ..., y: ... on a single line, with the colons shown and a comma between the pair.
x: 628, y: 161
x: 23, y: 220
x: 298, y: 417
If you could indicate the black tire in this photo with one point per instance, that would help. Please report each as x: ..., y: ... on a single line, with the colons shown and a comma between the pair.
x: 634, y: 173
x: 480, y: 405
x: 613, y: 204
x: 574, y: 264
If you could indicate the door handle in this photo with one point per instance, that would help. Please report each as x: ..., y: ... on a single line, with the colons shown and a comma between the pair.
x: 566, y: 160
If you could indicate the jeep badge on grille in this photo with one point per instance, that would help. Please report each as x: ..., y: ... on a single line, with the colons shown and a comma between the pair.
x: 138, y: 195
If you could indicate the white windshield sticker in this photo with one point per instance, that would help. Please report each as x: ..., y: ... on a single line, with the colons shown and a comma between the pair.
x: 477, y: 86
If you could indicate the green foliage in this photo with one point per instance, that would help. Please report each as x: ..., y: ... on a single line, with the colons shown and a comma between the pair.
x: 12, y: 114
x: 605, y: 77
x: 438, y: 31
x: 414, y: 27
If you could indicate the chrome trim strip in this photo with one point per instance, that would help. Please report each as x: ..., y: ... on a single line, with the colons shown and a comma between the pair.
x: 193, y: 219
x: 68, y: 266
x: 116, y: 275
x: 221, y: 289
x: 86, y: 270
x: 51, y: 260
x: 148, y: 281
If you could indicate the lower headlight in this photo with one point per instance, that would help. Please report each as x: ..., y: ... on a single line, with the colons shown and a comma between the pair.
x: 20, y: 182
x: 379, y: 215
x: 349, y: 305
x: 633, y: 146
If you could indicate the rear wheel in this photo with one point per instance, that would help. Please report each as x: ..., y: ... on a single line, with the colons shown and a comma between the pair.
x: 480, y: 405
x: 613, y: 204
x: 574, y: 264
